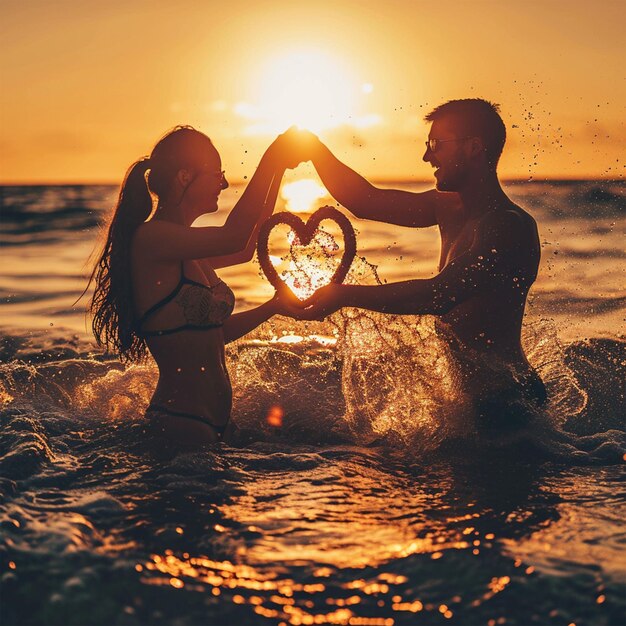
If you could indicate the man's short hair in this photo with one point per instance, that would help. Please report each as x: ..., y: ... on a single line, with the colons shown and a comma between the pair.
x: 477, y: 118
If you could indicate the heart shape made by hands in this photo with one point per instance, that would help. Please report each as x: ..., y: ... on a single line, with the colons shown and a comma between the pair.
x: 305, y: 233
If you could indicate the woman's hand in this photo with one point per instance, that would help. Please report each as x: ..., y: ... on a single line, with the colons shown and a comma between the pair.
x: 285, y: 302
x: 321, y: 304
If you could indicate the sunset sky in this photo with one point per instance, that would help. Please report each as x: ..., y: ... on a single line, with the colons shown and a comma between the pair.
x: 88, y: 87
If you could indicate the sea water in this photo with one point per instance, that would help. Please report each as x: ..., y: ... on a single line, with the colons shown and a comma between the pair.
x: 343, y: 501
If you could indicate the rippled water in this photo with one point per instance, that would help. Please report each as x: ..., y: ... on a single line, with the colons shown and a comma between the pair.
x: 358, y: 490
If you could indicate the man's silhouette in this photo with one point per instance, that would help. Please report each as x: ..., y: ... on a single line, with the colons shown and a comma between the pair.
x: 490, y: 248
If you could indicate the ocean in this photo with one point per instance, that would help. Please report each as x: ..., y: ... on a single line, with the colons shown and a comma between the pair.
x: 357, y: 495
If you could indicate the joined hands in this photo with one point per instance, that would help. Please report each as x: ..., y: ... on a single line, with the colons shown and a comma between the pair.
x: 321, y: 304
x: 293, y: 147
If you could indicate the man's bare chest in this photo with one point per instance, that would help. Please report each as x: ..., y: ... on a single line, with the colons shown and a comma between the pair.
x: 456, y: 240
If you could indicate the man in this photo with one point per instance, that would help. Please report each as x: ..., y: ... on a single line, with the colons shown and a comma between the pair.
x: 490, y: 247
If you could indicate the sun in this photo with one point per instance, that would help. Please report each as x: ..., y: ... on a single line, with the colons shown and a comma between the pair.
x: 308, y: 88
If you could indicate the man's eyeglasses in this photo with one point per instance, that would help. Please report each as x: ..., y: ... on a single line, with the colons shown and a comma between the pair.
x: 433, y: 144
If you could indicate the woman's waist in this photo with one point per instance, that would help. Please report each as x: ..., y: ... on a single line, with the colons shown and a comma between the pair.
x: 213, y: 401
x: 195, y: 352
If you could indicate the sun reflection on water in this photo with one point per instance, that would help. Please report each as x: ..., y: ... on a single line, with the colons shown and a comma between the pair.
x: 279, y: 598
x: 325, y: 596
x: 322, y: 599
x: 301, y: 195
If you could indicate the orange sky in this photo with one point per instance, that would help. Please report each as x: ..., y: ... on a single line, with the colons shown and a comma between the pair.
x: 88, y: 87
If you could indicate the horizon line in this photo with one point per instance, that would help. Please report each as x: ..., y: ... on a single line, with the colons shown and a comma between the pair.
x: 385, y: 181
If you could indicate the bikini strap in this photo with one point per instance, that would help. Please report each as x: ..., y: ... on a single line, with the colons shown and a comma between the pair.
x: 164, y: 301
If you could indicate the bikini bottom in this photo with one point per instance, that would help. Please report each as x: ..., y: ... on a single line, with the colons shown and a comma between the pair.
x: 219, y: 429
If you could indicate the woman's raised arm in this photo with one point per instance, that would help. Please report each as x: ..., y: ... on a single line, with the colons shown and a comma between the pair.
x: 234, y: 242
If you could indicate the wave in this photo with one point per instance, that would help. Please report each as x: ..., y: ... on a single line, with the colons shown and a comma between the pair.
x: 573, y: 199
x: 558, y: 298
x: 600, y: 195
x: 45, y: 214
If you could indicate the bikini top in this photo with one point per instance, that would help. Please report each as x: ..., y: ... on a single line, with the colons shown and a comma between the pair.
x: 200, y: 307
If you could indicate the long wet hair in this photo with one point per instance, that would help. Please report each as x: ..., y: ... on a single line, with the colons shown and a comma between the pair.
x: 114, y: 320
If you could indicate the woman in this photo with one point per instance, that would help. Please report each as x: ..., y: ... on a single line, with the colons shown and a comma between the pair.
x: 156, y: 286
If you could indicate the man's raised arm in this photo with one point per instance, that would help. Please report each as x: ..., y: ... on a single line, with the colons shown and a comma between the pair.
x: 366, y: 201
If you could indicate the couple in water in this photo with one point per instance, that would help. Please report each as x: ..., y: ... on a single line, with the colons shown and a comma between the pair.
x: 157, y: 290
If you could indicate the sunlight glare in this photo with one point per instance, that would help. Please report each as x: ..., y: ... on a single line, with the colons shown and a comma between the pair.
x: 300, y: 195
x: 307, y: 88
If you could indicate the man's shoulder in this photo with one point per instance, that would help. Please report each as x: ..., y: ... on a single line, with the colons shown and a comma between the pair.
x: 509, y: 215
x: 512, y: 231
x: 511, y: 207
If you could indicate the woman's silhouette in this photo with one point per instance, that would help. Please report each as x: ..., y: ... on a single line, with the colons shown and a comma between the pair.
x: 155, y: 283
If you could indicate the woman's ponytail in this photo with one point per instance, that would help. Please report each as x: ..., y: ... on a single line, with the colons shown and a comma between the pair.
x: 112, y: 303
